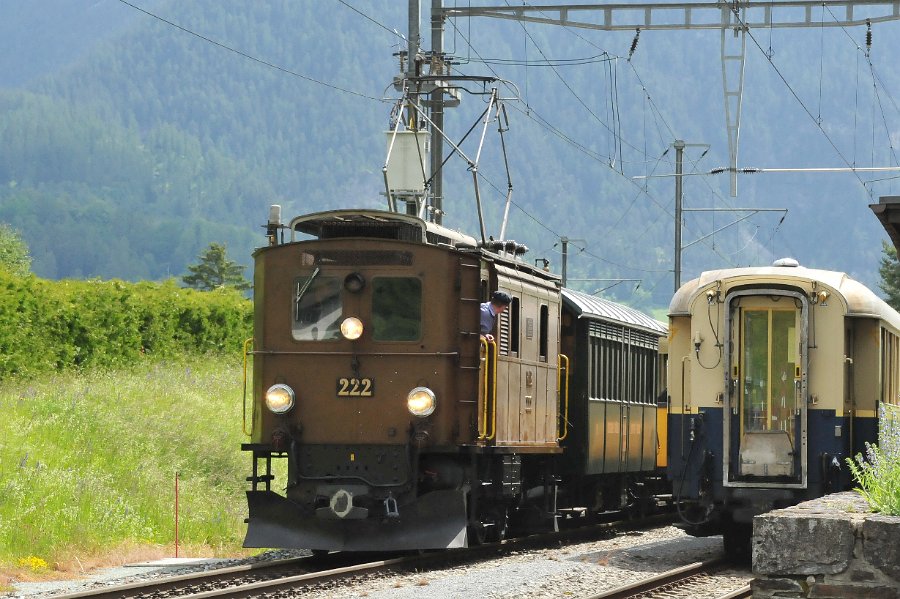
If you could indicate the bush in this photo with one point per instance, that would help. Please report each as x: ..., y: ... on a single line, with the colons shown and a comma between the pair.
x: 56, y: 325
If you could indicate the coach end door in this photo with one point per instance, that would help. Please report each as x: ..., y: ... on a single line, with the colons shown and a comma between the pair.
x: 767, y: 373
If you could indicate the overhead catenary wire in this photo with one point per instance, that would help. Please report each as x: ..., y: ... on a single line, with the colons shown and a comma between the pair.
x: 249, y: 56
x: 533, y: 115
x: 378, y: 23
x: 793, y: 92
x: 613, y: 131
x: 876, y: 80
x: 655, y: 109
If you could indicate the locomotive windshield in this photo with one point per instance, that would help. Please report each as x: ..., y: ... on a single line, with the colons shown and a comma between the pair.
x: 397, y: 308
x: 317, y: 308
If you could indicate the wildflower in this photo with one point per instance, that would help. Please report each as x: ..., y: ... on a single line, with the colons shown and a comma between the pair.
x: 35, y: 564
x: 878, y: 473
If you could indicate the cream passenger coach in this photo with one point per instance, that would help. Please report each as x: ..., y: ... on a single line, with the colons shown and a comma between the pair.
x: 775, y: 377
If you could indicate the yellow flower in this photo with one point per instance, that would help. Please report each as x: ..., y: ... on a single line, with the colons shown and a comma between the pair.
x: 35, y: 564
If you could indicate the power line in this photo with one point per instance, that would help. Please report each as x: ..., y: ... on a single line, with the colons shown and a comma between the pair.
x: 545, y: 62
x: 876, y: 79
x: 248, y: 56
x: 653, y: 106
x: 784, y: 80
x: 534, y: 116
x: 364, y: 15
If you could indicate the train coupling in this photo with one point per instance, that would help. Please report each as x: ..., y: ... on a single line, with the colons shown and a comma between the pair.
x: 340, y: 505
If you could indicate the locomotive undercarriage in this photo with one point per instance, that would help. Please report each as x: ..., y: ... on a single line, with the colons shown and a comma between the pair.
x: 455, y: 499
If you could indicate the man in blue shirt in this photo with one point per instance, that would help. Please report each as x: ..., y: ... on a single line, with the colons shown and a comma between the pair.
x: 500, y: 301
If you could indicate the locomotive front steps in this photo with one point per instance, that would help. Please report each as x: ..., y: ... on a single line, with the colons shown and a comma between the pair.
x: 830, y: 547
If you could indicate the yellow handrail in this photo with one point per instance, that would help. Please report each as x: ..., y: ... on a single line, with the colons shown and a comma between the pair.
x: 247, y: 345
x: 494, y: 395
x: 482, y: 428
x: 489, y: 392
x: 565, y: 396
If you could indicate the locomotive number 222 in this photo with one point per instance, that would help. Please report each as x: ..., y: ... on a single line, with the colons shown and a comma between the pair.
x: 355, y: 387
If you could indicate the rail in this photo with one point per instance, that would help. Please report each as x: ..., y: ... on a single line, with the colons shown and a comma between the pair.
x: 663, y: 581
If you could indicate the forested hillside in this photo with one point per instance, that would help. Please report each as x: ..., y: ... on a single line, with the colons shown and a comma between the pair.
x: 130, y: 142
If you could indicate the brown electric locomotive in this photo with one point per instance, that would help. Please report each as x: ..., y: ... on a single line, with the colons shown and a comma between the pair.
x: 376, y: 384
x: 402, y: 426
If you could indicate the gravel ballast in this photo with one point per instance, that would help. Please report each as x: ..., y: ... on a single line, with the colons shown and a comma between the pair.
x: 571, y: 571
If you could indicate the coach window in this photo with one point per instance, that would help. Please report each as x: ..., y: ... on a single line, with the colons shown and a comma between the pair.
x: 514, y: 317
x: 397, y: 308
x: 317, y: 308
x: 544, y: 332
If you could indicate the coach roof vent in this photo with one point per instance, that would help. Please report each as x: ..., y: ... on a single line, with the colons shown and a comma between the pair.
x: 787, y: 262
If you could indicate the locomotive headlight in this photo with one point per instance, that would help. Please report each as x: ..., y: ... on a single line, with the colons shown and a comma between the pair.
x: 352, y: 328
x: 280, y: 398
x: 420, y: 402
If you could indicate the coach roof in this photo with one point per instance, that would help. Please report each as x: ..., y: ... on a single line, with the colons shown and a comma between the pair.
x: 859, y: 299
x: 589, y: 306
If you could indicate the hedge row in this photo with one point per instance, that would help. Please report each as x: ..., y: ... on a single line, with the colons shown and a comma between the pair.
x: 55, y: 325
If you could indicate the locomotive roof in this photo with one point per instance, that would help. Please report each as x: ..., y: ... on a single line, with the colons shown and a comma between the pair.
x: 859, y: 299
x: 382, y: 224
x: 376, y: 223
x: 588, y: 306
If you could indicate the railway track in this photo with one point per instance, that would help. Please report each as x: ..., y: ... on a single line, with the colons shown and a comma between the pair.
x: 268, y: 578
x: 242, y: 581
x: 679, y: 582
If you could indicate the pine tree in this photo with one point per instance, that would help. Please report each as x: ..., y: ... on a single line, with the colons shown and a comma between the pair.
x: 216, y: 270
x: 890, y: 275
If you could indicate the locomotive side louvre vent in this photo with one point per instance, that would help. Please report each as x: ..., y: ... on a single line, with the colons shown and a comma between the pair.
x: 363, y: 258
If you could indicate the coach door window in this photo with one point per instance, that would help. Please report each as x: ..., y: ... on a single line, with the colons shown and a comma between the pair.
x: 769, y: 366
x: 397, y: 308
x: 317, y: 308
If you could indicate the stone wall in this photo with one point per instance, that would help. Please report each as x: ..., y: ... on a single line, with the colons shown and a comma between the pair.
x: 829, y: 548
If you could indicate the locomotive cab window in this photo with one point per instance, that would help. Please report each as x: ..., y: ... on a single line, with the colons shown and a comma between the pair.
x: 397, y: 308
x: 317, y: 308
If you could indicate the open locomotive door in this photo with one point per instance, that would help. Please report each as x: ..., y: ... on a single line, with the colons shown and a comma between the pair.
x: 766, y: 366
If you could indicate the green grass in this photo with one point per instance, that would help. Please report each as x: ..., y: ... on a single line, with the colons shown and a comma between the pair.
x: 88, y: 460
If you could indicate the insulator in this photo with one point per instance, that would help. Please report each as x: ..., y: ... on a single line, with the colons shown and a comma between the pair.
x: 868, y: 36
x: 634, y: 42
